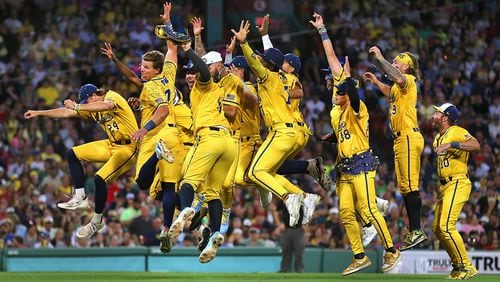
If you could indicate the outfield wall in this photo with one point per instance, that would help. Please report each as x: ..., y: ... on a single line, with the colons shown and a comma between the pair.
x: 241, y: 259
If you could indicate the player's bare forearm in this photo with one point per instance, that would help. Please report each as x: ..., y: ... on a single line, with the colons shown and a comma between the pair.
x: 384, y: 88
x: 171, y: 55
x: 230, y: 112
x: 53, y: 113
x: 471, y: 145
x: 160, y: 114
x: 393, y: 73
x: 128, y: 73
x: 97, y: 106
x: 251, y: 99
x: 333, y: 60
x: 199, y: 48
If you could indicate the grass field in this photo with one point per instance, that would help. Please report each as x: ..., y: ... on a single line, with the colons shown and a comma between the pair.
x: 150, y: 276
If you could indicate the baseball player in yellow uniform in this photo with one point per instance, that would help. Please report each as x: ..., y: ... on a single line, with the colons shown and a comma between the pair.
x: 211, y: 156
x: 118, y: 153
x: 278, y: 117
x: 335, y: 75
x: 452, y: 145
x: 159, y: 135
x: 357, y: 166
x: 408, y: 141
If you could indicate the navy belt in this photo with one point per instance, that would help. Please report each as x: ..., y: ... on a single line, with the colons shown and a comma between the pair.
x: 123, y: 142
x: 214, y: 128
x: 397, y: 134
x: 170, y: 125
x: 188, y: 144
x: 300, y: 124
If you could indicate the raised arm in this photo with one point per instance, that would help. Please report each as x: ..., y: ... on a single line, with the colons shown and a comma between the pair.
x: 107, y: 50
x: 171, y: 55
x: 255, y: 65
x: 99, y: 106
x: 229, y: 50
x: 333, y: 61
x: 393, y: 73
x: 264, y: 32
x: 352, y: 91
x: 198, y: 42
x: 199, y: 64
x: 53, y: 113
x: 384, y: 88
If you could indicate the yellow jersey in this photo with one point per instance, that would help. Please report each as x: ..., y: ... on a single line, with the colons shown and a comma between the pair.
x: 351, y: 130
x: 158, y: 91
x: 250, y: 117
x: 233, y: 96
x: 454, y: 161
x: 119, y: 123
x: 271, y: 91
x: 290, y: 82
x: 403, y: 105
x: 206, y: 106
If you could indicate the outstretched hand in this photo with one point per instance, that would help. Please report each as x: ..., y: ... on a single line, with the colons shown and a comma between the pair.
x: 318, y: 20
x: 376, y: 51
x: 230, y: 46
x: 242, y: 33
x: 167, y: 7
x: 107, y: 50
x: 197, y: 26
x: 30, y: 114
x: 264, y: 28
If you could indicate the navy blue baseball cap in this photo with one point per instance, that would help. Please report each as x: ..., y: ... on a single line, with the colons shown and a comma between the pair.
x: 328, y: 74
x: 341, y: 88
x: 273, y: 56
x: 449, y: 110
x: 294, y: 61
x: 189, y: 66
x: 239, y: 62
x: 85, y: 92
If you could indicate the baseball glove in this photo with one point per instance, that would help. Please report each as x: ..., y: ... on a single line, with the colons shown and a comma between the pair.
x: 167, y: 32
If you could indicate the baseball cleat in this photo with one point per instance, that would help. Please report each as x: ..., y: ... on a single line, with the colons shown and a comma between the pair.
x: 88, y: 230
x: 212, y: 247
x: 76, y: 202
x: 163, y: 153
x: 356, y: 265
x: 178, y: 225
x: 368, y: 235
x: 310, y: 203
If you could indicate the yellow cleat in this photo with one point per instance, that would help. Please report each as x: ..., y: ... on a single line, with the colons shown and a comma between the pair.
x: 356, y: 265
x: 390, y: 260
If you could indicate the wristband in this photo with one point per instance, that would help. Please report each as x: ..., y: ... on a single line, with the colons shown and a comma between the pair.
x: 77, y: 107
x: 321, y: 29
x: 455, y: 145
x: 150, y: 125
x: 324, y: 36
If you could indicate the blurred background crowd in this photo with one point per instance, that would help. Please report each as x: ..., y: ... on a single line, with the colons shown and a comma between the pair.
x: 49, y: 48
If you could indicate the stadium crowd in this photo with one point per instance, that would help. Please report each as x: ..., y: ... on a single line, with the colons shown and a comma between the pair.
x: 48, y: 49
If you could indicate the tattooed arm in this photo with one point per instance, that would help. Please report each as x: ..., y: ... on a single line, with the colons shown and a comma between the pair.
x: 388, y: 68
x: 199, y: 48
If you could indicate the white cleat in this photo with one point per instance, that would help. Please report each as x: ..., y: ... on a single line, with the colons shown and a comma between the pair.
x: 293, y: 204
x: 88, y: 230
x: 382, y: 206
x: 369, y: 234
x: 212, y: 247
x: 310, y: 203
x: 226, y: 213
x: 266, y: 197
x: 317, y: 170
x: 76, y: 202
x: 178, y: 225
x: 163, y: 153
